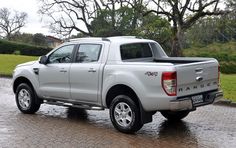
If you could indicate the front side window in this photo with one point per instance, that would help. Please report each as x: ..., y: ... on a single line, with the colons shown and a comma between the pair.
x: 135, y: 50
x: 88, y: 53
x: 62, y: 55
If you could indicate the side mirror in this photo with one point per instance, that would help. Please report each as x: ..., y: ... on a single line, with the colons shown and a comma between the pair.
x: 43, y: 60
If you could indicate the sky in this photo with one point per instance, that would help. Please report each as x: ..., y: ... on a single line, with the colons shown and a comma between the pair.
x: 34, y: 23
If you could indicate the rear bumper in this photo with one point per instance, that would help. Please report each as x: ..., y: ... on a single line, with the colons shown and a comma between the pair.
x: 186, y: 103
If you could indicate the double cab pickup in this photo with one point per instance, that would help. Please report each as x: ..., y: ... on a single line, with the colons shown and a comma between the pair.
x: 132, y: 77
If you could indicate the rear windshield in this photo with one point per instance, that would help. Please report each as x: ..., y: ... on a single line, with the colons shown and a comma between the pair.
x: 135, y: 50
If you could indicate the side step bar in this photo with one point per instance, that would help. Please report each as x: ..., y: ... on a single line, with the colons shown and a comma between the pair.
x: 88, y: 107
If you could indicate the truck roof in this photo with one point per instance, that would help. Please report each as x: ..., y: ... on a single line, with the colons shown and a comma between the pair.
x: 117, y: 39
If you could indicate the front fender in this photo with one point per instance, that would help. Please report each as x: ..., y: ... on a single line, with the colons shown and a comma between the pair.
x: 28, y: 74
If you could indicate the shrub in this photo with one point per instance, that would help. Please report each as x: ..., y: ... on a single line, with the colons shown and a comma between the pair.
x: 16, y: 52
x: 224, y: 53
x: 7, y: 47
x: 228, y: 67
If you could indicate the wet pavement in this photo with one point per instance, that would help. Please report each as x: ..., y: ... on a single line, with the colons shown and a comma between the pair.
x: 53, y: 126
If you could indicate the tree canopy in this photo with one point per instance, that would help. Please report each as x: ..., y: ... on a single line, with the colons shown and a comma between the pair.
x: 161, y: 20
x: 11, y: 23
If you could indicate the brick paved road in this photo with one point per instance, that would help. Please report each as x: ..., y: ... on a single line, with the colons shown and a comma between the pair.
x: 53, y: 126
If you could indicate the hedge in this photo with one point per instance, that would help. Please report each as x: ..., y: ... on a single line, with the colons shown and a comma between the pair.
x: 8, y: 47
x: 228, y: 67
x: 225, y: 53
x: 227, y: 61
x: 227, y: 57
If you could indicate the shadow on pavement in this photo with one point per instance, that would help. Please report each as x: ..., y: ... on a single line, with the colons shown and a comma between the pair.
x: 174, y: 127
x: 77, y: 113
x: 178, y: 131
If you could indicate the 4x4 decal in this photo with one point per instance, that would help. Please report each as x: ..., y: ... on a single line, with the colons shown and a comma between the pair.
x: 149, y: 73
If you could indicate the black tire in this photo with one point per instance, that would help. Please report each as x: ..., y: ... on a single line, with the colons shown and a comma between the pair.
x: 175, y: 115
x: 132, y: 113
x: 25, y: 93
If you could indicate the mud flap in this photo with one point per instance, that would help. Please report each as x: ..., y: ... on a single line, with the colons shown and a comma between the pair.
x: 37, y: 99
x: 146, y: 117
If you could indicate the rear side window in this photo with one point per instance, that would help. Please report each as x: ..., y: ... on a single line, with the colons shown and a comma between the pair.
x: 135, y: 50
x: 88, y: 53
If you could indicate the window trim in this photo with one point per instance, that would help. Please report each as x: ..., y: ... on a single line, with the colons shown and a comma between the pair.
x: 77, y: 50
x: 128, y: 60
x: 72, y: 57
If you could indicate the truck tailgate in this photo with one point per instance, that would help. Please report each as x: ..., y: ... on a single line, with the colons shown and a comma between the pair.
x: 194, y: 78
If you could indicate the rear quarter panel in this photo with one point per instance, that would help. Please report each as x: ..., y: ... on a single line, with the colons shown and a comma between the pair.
x: 139, y: 77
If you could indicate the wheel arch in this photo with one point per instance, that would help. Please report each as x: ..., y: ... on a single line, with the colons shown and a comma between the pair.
x: 118, y: 89
x: 20, y: 80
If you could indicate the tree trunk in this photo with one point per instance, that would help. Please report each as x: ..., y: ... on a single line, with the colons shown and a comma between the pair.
x: 176, y: 49
x: 8, y: 36
x: 113, y: 15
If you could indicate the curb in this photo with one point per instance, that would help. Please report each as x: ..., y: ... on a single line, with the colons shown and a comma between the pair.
x: 5, y: 76
x: 225, y: 102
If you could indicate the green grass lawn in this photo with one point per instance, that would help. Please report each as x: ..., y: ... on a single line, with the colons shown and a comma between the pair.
x: 8, y: 63
x: 228, y: 84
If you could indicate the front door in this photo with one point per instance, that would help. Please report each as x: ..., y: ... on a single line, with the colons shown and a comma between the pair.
x: 85, y: 72
x: 54, y: 76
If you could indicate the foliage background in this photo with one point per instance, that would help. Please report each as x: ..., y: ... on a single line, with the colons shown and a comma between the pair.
x: 9, y: 47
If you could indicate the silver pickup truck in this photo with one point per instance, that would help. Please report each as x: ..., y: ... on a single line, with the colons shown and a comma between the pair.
x: 132, y: 77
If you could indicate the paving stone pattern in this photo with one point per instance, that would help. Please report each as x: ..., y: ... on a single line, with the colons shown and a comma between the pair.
x: 211, y: 126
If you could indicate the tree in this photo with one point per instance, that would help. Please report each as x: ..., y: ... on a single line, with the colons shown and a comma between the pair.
x: 129, y: 17
x: 125, y: 22
x: 212, y: 29
x: 11, y: 23
x: 231, y: 5
x: 22, y: 37
x: 182, y: 15
x: 78, y: 15
x: 156, y: 28
x: 39, y: 39
x: 68, y: 16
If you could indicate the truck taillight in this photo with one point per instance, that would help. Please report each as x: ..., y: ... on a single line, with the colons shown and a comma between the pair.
x: 169, y: 83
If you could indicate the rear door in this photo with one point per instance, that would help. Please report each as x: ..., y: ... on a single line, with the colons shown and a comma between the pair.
x: 86, y: 72
x: 197, y: 77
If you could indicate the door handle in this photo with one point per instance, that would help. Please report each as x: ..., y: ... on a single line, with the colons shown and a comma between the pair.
x: 63, y: 70
x: 199, y: 70
x: 92, y: 70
